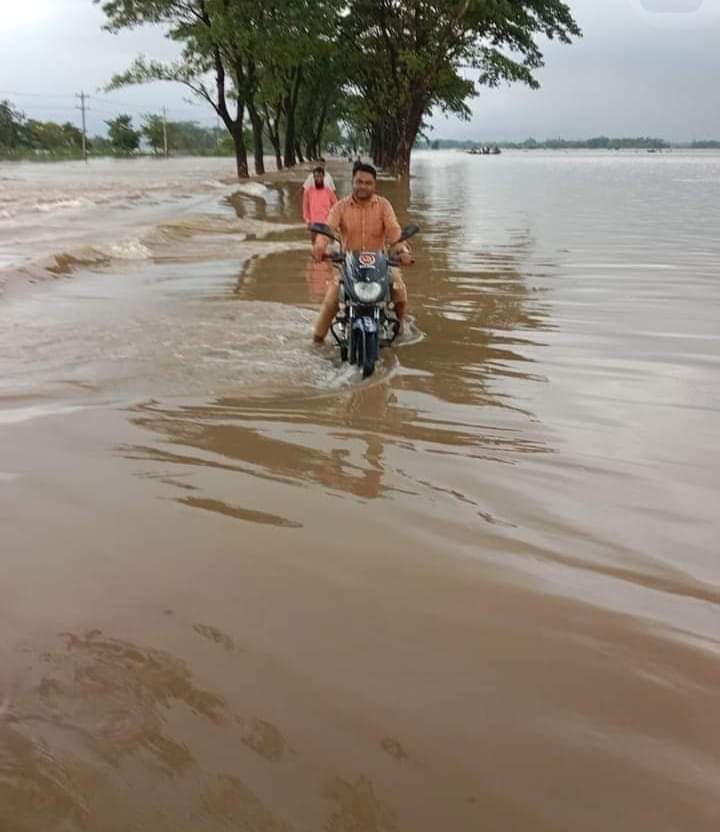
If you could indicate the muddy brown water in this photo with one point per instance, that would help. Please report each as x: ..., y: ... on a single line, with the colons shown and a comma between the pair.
x: 243, y: 590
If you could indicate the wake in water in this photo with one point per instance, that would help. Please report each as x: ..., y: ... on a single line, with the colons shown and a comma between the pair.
x: 199, y: 291
x: 56, y: 219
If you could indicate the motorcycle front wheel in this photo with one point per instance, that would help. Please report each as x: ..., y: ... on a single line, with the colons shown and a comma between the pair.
x: 363, y: 350
x: 372, y: 351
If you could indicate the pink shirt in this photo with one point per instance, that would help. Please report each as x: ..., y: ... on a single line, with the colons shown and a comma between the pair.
x: 317, y: 203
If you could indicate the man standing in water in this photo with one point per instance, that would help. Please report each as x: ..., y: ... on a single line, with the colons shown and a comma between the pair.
x: 365, y: 222
x: 318, y: 199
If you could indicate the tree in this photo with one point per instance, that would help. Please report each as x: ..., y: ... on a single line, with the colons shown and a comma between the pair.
x: 51, y: 137
x: 205, y: 28
x: 20, y: 133
x: 11, y: 126
x: 380, y: 66
x: 241, y: 56
x: 122, y: 135
x: 155, y: 128
x: 321, y: 103
x: 408, y: 56
x: 100, y: 146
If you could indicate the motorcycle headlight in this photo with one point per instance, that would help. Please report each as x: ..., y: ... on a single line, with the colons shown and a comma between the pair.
x: 367, y: 292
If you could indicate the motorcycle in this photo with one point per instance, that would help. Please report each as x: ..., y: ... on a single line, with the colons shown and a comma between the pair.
x: 366, y: 319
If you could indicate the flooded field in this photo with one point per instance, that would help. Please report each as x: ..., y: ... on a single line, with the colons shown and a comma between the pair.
x: 245, y: 590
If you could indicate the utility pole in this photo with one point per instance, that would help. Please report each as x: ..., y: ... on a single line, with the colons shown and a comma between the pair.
x: 165, y: 141
x: 83, y: 107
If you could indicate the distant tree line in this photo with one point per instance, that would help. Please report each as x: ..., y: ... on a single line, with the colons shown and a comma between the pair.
x: 596, y: 143
x: 22, y: 137
x: 365, y: 74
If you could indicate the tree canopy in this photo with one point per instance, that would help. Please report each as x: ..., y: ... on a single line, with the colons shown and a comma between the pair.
x: 124, y: 138
x: 292, y: 68
x: 19, y: 133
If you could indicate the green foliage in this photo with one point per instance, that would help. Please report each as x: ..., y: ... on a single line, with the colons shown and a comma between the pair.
x: 23, y: 136
x: 152, y: 132
x: 123, y: 137
x: 597, y: 143
x: 409, y: 58
x: 379, y: 67
x: 11, y: 126
x: 241, y: 56
x: 100, y: 146
x: 184, y: 136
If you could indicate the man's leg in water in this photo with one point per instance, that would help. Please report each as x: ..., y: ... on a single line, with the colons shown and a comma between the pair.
x: 400, y: 298
x: 328, y: 311
x: 330, y: 306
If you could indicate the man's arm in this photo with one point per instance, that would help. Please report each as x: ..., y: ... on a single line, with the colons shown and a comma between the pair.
x: 393, y: 232
x: 322, y: 242
x: 390, y: 223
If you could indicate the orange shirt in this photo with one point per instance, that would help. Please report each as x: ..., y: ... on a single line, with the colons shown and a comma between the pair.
x: 364, y: 225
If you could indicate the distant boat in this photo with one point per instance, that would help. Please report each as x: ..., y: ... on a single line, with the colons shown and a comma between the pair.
x: 486, y: 150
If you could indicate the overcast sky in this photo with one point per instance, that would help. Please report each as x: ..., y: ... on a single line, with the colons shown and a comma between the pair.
x: 644, y: 67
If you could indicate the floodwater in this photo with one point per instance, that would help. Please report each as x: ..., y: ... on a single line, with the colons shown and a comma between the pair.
x: 244, y: 590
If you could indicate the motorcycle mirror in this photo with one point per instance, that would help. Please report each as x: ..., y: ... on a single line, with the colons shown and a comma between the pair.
x: 325, y: 230
x: 409, y: 231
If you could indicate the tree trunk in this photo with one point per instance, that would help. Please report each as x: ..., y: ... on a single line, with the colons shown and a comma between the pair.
x: 289, y: 154
x: 240, y: 151
x: 317, y: 136
x: 408, y: 133
x: 291, y: 100
x: 272, y: 126
x: 401, y: 165
x: 257, y: 131
x: 298, y: 152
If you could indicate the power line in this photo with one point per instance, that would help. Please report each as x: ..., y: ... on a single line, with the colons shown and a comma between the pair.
x: 53, y: 107
x: 34, y: 94
x: 121, y: 102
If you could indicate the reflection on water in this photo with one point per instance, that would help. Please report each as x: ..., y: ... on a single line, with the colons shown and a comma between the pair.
x: 371, y: 441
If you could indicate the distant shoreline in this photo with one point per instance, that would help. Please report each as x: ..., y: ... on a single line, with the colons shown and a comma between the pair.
x: 595, y: 143
x: 449, y: 145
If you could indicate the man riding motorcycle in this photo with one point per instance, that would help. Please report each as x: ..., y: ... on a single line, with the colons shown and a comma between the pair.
x: 365, y: 222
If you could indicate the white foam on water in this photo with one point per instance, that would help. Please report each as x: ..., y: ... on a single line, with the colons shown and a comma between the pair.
x: 128, y: 250
x: 634, y: 266
x: 255, y: 189
x: 27, y: 414
x: 47, y: 207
